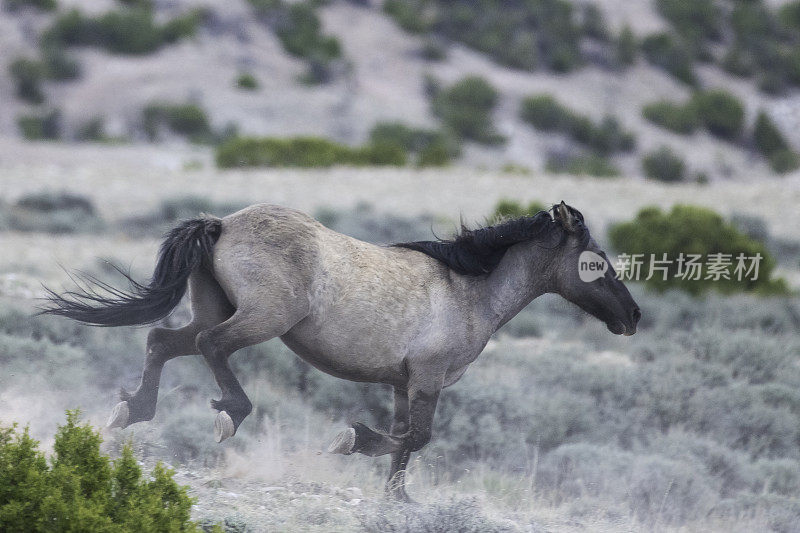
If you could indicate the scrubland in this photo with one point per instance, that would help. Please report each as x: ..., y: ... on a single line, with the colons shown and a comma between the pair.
x: 691, y: 425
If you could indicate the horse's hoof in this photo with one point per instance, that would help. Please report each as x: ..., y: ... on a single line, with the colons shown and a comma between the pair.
x: 344, y: 442
x: 223, y: 427
x: 400, y: 496
x: 119, y: 416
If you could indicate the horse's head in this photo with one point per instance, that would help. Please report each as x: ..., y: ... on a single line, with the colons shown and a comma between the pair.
x: 584, y: 276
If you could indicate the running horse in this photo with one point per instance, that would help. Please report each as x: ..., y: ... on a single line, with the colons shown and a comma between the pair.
x: 413, y: 315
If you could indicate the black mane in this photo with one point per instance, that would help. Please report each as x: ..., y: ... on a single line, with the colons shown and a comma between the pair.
x: 479, y: 251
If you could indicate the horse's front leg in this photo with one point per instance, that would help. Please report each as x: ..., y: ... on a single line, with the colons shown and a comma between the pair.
x: 395, y: 486
x: 421, y: 406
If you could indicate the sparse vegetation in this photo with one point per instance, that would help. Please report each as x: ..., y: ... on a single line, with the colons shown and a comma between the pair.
x: 521, y: 34
x: 508, y: 208
x: 589, y: 165
x: 721, y: 112
x: 696, y: 22
x: 557, y: 415
x: 247, y: 82
x: 305, y: 152
x: 431, y: 148
x: 60, y: 212
x: 44, y: 126
x: 627, y: 47
x: 604, y: 138
x: 694, y: 230
x: 466, y: 108
x: 678, y: 118
x: 769, y: 140
x: 92, y: 130
x: 82, y: 489
x: 664, y: 165
x: 131, y: 31
x: 28, y: 75
x: 42, y: 5
x: 718, y: 111
x: 664, y: 51
x: 182, y: 119
x: 300, y: 31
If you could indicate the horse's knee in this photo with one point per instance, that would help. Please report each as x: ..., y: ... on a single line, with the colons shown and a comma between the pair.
x: 417, y: 439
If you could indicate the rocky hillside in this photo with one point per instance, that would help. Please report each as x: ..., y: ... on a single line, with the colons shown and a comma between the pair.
x: 104, y: 70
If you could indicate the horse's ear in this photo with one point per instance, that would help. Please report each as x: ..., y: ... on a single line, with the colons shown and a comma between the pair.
x: 563, y: 213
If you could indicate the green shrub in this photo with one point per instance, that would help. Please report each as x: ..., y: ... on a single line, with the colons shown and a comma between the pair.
x: 301, y: 36
x: 626, y: 48
x: 380, y: 154
x: 593, y: 22
x: 695, y: 21
x: 305, y: 152
x: 433, y: 50
x: 663, y: 165
x: 407, y: 15
x: 769, y: 140
x: 782, y: 161
x: 28, y: 75
x: 466, y: 107
x: 590, y: 165
x: 721, y: 112
x: 82, y: 489
x: 43, y: 5
x: 432, y: 148
x: 46, y: 126
x: 131, y: 31
x: 183, y: 119
x: 545, y: 113
x: 662, y: 50
x: 91, y: 130
x: 692, y: 230
x: 507, y: 208
x: 681, y: 119
x: 299, y: 29
x: 53, y: 212
x: 518, y: 33
x: 789, y: 14
x: 247, y: 81
x: 59, y: 65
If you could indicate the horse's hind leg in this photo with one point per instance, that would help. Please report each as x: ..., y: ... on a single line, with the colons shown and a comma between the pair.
x: 251, y: 324
x: 209, y: 307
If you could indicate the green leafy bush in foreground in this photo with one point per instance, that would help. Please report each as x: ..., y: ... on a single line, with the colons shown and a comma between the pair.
x: 305, y: 152
x: 83, y: 490
x: 688, y: 230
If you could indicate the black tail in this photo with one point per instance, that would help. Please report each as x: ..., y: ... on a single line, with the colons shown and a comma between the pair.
x: 185, y: 248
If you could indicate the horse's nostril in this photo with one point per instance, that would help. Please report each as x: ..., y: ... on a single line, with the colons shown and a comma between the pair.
x: 637, y: 314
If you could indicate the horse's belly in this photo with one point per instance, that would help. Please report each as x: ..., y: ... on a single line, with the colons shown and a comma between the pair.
x: 349, y: 361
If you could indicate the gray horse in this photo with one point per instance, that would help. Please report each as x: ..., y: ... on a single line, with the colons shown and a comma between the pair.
x: 412, y: 315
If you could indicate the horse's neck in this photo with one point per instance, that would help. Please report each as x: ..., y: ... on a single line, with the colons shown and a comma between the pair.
x: 523, y: 274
